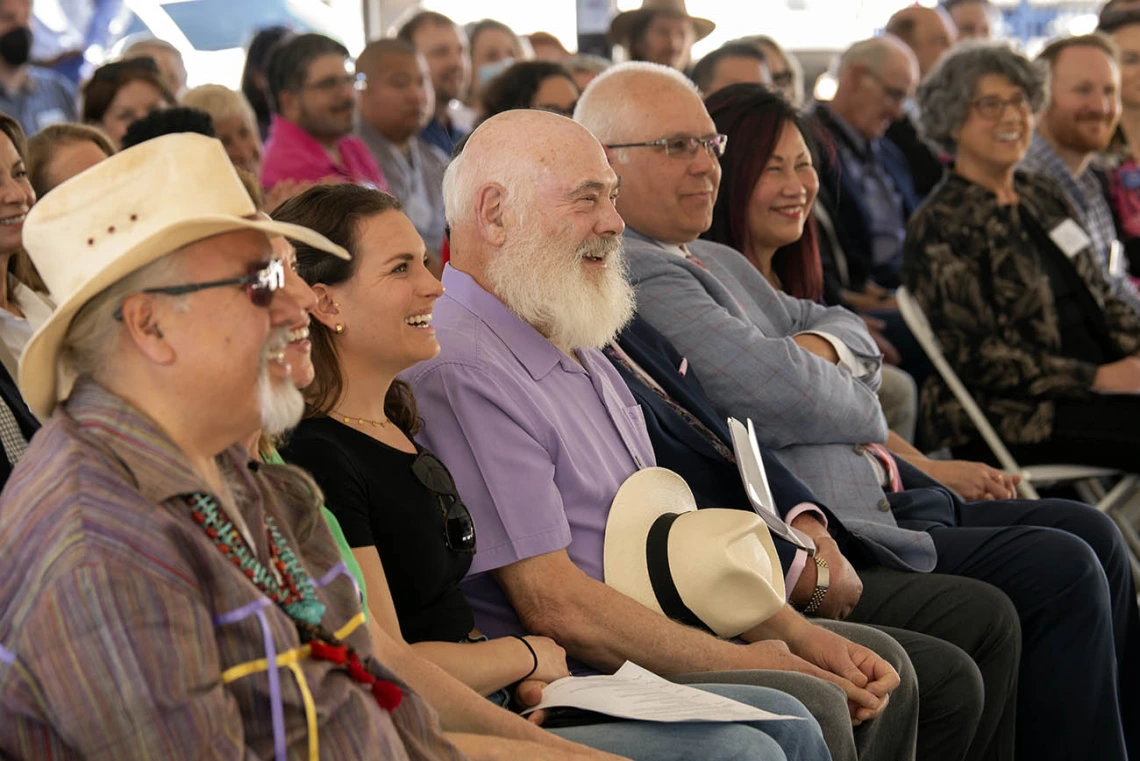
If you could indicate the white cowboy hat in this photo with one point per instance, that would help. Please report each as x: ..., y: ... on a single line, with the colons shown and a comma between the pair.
x: 713, y: 569
x: 120, y: 215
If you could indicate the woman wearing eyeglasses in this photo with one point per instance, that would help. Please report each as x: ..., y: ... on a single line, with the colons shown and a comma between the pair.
x: 398, y: 505
x: 122, y: 92
x: 1011, y: 285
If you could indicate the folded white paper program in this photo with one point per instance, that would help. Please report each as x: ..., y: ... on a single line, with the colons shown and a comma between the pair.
x: 755, y: 479
x: 634, y: 693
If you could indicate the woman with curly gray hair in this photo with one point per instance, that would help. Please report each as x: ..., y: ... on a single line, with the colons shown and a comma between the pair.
x: 1015, y: 295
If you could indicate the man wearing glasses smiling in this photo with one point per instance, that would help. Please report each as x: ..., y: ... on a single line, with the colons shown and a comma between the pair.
x: 313, y: 91
x: 875, y: 194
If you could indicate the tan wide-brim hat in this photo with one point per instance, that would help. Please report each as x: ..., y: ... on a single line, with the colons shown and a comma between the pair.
x: 623, y: 23
x: 120, y: 215
x: 713, y: 568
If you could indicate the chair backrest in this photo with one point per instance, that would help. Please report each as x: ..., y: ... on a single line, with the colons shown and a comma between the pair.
x: 916, y: 320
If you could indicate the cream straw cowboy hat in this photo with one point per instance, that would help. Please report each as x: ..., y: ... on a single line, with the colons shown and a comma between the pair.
x: 120, y: 215
x: 713, y: 569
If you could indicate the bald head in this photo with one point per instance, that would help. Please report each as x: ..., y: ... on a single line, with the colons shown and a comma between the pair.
x: 626, y: 101
x: 928, y: 32
x: 876, y: 77
x: 493, y: 156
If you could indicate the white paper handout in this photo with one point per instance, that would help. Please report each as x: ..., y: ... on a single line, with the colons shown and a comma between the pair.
x: 755, y: 480
x: 634, y: 693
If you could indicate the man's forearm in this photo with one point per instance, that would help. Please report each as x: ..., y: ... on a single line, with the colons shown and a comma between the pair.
x: 604, y: 628
x: 784, y: 625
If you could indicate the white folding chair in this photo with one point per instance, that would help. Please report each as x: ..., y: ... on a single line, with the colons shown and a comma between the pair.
x: 1085, y: 479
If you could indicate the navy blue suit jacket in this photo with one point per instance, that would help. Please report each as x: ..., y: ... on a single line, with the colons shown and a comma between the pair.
x: 678, y: 446
x: 845, y: 199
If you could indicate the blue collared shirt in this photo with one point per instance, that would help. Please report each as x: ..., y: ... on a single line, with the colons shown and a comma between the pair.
x: 1086, y: 195
x: 46, y: 98
x: 887, y: 222
x: 538, y: 444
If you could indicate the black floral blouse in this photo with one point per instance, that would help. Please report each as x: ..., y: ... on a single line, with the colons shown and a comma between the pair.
x: 979, y: 275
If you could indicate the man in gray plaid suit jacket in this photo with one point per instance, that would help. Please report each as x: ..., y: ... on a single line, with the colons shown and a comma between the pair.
x: 806, y: 375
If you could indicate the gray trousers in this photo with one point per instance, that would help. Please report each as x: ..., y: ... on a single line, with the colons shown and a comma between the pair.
x: 890, y: 737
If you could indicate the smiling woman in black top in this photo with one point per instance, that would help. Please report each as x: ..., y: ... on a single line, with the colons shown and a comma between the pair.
x: 396, y: 502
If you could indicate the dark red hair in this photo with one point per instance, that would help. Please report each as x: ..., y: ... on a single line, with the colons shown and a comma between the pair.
x: 753, y: 117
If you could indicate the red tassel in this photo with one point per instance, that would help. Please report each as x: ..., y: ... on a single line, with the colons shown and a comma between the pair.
x: 388, y: 695
x: 323, y: 651
x: 359, y: 673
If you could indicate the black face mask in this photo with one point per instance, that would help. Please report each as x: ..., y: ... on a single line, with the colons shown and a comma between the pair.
x: 16, y: 45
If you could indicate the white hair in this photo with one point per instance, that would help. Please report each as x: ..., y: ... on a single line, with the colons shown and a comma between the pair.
x: 281, y: 403
x: 467, y: 174
x: 873, y: 53
x: 92, y: 337
x: 540, y: 277
x: 604, y: 107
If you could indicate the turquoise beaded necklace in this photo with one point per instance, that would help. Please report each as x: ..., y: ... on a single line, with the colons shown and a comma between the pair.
x: 286, y: 584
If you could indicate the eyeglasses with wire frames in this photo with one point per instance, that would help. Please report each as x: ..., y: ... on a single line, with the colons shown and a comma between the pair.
x: 264, y: 279
x: 783, y: 78
x: 458, y: 527
x: 337, y: 82
x: 992, y: 108
x: 683, y: 146
x: 895, y: 95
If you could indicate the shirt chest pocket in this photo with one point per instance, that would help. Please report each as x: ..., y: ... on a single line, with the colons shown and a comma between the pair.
x: 633, y: 431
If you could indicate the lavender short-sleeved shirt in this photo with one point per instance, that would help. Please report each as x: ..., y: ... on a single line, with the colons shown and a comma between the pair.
x: 538, y: 444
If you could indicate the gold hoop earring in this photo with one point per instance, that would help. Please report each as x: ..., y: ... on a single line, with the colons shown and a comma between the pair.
x: 339, y: 328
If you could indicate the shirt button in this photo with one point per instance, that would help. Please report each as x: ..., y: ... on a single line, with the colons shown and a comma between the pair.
x: 885, y: 505
x: 637, y: 460
x: 859, y: 450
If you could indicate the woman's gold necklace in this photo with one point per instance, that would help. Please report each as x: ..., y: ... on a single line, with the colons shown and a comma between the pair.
x: 362, y: 421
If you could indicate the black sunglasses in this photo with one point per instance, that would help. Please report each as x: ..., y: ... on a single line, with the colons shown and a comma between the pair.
x: 458, y: 528
x: 264, y: 279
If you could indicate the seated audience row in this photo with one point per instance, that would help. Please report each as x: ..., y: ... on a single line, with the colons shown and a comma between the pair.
x: 935, y: 600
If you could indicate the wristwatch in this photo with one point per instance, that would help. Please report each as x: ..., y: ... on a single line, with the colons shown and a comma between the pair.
x: 822, y: 580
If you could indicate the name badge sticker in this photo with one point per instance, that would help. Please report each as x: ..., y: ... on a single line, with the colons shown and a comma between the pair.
x: 1070, y: 238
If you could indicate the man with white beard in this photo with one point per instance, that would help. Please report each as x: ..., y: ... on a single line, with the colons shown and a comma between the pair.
x: 539, y: 432
x: 161, y: 593
x: 1081, y: 112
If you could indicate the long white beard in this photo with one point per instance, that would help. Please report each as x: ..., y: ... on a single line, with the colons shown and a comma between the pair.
x: 281, y: 403
x: 549, y: 287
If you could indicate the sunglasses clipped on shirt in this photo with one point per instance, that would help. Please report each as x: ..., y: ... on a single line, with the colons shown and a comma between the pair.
x: 264, y: 279
x: 458, y: 527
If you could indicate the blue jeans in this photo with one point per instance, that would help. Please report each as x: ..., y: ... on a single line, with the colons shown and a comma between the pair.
x: 746, y: 741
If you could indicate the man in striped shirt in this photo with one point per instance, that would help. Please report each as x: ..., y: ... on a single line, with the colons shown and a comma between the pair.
x: 162, y: 596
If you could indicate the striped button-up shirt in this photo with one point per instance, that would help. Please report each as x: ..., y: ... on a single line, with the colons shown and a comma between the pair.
x: 126, y: 634
x: 1087, y: 197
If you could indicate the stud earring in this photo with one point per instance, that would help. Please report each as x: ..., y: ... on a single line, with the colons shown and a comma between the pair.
x: 339, y: 328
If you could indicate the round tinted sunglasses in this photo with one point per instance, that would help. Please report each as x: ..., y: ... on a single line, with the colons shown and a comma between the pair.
x: 458, y: 528
x: 260, y: 284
